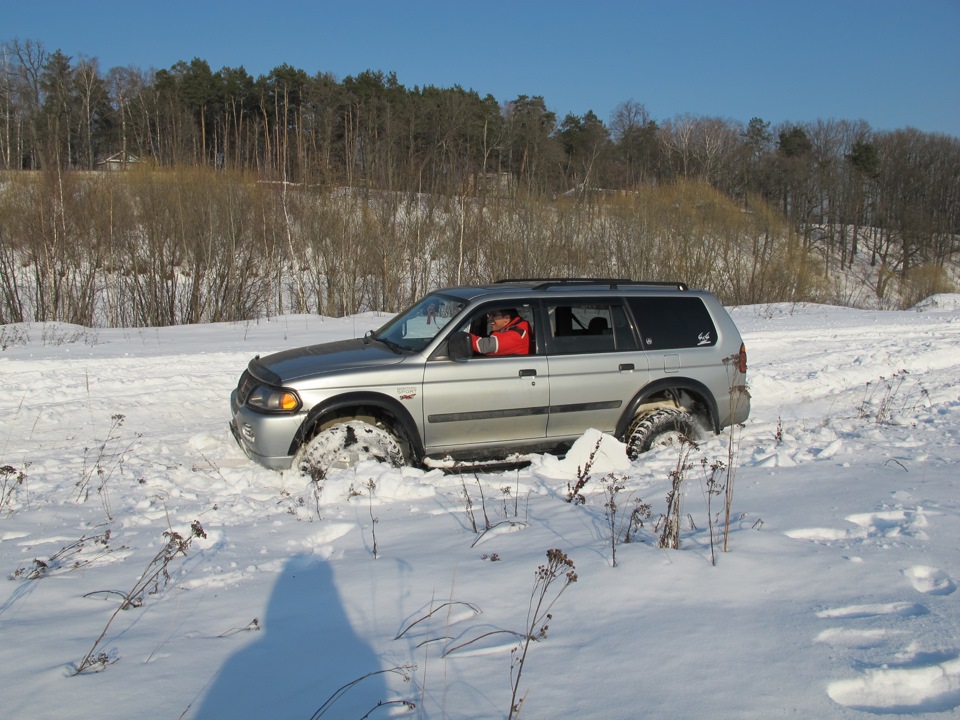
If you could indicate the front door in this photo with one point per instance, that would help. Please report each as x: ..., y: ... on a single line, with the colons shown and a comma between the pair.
x: 492, y: 400
x: 485, y: 400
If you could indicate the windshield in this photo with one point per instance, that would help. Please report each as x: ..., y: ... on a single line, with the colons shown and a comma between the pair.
x: 414, y: 328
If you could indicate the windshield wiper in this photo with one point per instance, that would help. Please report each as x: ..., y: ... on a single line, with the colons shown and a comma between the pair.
x: 398, y: 349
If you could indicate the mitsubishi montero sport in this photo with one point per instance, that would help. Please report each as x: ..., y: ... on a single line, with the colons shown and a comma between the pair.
x: 648, y: 362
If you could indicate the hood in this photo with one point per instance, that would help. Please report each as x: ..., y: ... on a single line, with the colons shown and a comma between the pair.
x: 290, y: 365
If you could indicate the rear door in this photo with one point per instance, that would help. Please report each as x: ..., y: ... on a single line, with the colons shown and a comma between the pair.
x: 596, y: 364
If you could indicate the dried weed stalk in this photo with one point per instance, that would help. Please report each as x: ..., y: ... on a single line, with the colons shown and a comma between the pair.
x: 713, y: 486
x: 404, y: 671
x: 153, y: 579
x: 65, y: 559
x: 108, y: 457
x: 575, y: 491
x: 669, y: 522
x: 11, y: 480
x: 623, y: 526
x: 558, y: 567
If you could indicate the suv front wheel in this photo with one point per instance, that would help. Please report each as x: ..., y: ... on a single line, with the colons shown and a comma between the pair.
x: 666, y: 427
x: 345, y: 444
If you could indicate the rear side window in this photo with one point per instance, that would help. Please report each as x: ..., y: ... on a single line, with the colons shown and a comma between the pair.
x: 589, y: 328
x: 667, y: 323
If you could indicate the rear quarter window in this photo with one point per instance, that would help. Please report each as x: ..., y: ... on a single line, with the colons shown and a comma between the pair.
x: 667, y: 323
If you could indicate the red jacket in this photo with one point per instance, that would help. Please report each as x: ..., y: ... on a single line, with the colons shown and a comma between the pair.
x: 513, y: 339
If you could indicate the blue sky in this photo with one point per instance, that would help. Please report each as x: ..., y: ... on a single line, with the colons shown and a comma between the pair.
x: 893, y: 63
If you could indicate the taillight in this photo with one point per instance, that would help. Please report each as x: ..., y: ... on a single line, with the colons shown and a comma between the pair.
x: 742, y: 360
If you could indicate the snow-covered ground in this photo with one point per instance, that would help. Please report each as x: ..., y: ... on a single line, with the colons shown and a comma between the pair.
x: 837, y: 598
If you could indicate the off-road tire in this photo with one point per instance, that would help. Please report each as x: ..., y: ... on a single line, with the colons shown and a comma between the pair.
x: 667, y: 427
x: 345, y: 444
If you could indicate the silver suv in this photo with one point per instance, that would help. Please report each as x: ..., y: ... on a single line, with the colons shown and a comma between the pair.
x: 648, y: 362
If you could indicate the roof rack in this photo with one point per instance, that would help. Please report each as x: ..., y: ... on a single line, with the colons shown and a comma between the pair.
x: 544, y: 283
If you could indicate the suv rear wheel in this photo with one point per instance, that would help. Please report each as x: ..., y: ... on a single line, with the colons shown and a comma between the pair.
x: 345, y: 444
x: 667, y: 427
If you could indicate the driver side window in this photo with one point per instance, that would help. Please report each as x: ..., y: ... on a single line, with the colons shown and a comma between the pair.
x: 510, y: 326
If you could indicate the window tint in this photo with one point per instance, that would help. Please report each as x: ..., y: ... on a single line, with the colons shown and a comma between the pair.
x: 589, y: 328
x: 673, y: 322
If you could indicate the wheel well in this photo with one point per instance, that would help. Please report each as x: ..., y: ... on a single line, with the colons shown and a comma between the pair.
x: 374, y: 411
x: 689, y: 395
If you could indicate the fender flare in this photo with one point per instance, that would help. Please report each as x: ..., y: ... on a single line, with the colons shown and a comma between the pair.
x: 332, y: 406
x: 658, y: 386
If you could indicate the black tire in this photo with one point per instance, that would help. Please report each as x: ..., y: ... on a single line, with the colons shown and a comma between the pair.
x: 667, y: 427
x: 345, y: 444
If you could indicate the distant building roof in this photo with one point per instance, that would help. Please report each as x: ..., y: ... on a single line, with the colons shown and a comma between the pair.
x: 118, y: 160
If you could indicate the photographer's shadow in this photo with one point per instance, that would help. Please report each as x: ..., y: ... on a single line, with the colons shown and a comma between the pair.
x: 306, y: 652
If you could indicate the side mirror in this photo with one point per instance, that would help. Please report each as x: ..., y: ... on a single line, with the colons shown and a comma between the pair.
x: 458, y: 346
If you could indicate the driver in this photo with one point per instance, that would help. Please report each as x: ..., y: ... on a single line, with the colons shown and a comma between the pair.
x: 509, y: 335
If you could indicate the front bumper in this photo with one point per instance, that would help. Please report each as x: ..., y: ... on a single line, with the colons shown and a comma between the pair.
x: 265, y: 439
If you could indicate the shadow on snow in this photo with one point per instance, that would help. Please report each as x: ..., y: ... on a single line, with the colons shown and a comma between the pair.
x: 305, y: 652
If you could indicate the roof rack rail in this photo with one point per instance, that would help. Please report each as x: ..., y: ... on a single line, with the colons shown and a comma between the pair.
x: 544, y: 283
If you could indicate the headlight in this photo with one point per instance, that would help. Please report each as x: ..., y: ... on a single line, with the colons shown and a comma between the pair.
x: 270, y: 399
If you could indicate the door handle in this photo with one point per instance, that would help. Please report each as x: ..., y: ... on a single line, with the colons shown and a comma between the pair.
x: 528, y: 373
x: 624, y: 367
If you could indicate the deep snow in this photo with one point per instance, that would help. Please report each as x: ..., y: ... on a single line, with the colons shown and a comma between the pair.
x: 837, y: 598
